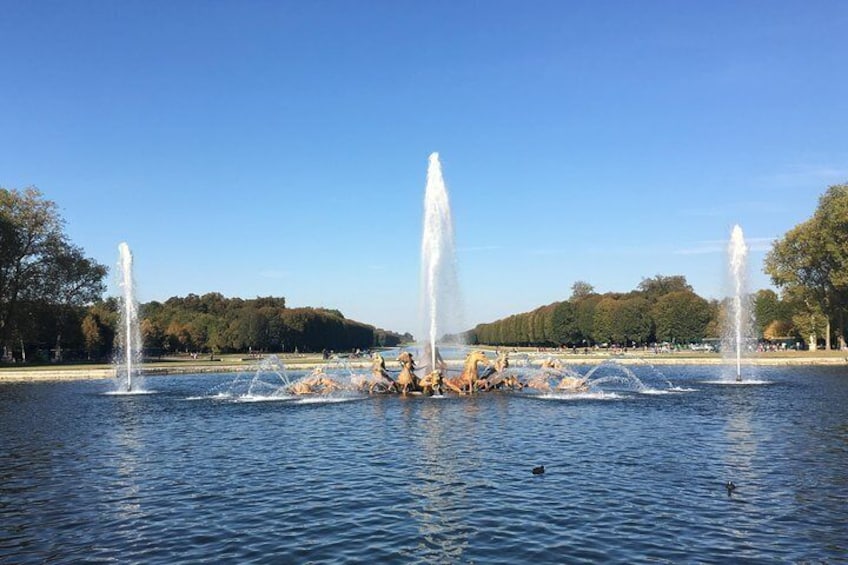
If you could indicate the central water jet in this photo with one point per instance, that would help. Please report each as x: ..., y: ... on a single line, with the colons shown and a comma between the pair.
x: 440, y: 298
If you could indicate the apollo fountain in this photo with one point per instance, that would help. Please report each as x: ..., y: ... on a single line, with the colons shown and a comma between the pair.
x: 441, y: 309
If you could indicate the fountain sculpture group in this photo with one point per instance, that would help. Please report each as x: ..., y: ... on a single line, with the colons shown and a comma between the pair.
x: 478, y: 373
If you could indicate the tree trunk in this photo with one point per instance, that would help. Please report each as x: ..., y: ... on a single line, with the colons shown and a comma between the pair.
x: 23, y: 351
x: 813, y: 344
x: 827, y: 336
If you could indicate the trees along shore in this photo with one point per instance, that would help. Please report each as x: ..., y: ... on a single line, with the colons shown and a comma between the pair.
x: 809, y: 266
x: 52, y: 307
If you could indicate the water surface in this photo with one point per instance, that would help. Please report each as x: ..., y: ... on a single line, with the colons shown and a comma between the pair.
x: 182, y: 475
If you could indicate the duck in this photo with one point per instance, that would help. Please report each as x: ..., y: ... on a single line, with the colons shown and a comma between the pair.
x: 539, y: 470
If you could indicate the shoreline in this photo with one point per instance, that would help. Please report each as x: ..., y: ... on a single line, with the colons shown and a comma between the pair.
x: 156, y: 369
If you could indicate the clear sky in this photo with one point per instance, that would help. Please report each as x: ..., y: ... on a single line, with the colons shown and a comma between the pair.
x: 280, y: 148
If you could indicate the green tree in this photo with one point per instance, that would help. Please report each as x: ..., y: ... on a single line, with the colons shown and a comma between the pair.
x: 768, y: 309
x: 247, y: 330
x: 30, y: 233
x: 564, y: 324
x: 91, y: 334
x: 681, y: 316
x: 810, y: 265
x: 623, y: 321
x: 584, y: 318
x: 39, y: 268
x: 71, y: 282
x: 633, y: 321
x: 604, y: 322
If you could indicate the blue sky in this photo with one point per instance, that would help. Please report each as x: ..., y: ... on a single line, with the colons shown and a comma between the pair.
x: 280, y: 148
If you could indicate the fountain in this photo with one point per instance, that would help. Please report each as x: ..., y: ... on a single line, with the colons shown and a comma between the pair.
x: 440, y: 298
x: 128, y: 337
x: 738, y: 318
x: 269, y: 380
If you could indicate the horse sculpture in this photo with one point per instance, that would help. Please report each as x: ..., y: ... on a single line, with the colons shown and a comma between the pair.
x: 572, y: 384
x: 431, y: 383
x: 551, y: 369
x: 316, y: 383
x: 380, y: 376
x: 496, y: 377
x: 469, y: 377
x: 407, y: 379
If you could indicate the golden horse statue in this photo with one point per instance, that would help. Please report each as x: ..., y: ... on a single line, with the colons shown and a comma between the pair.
x: 495, y: 375
x: 431, y: 383
x: 552, y: 369
x: 572, y: 384
x: 407, y: 379
x: 467, y: 381
x: 316, y: 383
x: 380, y: 376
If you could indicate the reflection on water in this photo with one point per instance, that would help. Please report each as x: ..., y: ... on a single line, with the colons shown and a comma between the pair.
x: 440, y: 486
x: 128, y: 446
x: 740, y: 440
x: 159, y: 478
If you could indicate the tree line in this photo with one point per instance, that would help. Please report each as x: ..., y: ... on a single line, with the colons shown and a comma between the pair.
x: 662, y: 308
x: 213, y: 323
x: 809, y: 266
x: 52, y: 306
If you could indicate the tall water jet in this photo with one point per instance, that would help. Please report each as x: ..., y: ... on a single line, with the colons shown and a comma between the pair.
x: 440, y: 297
x: 738, y: 318
x: 128, y: 337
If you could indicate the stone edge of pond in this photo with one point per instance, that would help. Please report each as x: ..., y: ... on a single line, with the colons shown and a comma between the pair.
x: 12, y: 375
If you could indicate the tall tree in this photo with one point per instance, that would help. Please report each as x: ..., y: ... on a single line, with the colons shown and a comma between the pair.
x: 37, y: 263
x: 810, y: 264
x: 681, y: 316
x: 30, y: 230
x: 564, y: 324
x: 71, y: 281
x: 633, y: 323
x: 584, y: 318
x: 606, y: 312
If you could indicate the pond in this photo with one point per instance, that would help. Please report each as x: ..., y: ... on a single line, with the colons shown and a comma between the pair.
x: 184, y: 474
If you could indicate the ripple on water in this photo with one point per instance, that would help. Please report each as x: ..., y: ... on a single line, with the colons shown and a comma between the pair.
x: 412, y: 480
